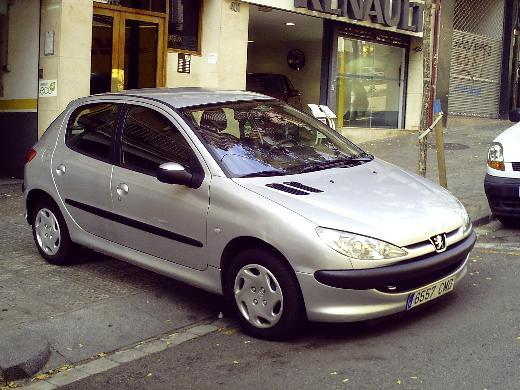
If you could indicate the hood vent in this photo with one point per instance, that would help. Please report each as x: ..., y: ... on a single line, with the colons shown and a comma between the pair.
x: 302, y: 187
x: 294, y: 188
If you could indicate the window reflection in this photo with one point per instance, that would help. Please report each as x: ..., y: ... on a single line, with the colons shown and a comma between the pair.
x: 369, y: 84
x: 252, y: 138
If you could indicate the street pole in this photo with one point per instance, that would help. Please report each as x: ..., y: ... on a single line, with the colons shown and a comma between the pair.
x: 427, y: 79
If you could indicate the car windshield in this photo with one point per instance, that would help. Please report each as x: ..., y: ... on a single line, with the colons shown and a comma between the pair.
x: 268, y: 138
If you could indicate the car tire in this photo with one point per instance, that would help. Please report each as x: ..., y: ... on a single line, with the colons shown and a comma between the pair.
x: 51, y: 235
x: 265, y: 295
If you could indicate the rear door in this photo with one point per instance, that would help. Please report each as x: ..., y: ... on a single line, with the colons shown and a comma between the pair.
x: 82, y: 165
x: 163, y: 220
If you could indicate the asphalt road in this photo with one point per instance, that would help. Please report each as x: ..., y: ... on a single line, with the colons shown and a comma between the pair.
x: 469, y: 339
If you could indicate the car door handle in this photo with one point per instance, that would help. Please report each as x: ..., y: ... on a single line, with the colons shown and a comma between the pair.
x: 122, y: 190
x: 60, y: 170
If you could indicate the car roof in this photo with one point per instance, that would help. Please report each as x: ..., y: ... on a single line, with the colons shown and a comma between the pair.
x: 189, y: 97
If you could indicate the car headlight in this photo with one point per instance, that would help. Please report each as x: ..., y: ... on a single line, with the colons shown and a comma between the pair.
x: 496, y: 157
x: 465, y: 217
x: 359, y: 247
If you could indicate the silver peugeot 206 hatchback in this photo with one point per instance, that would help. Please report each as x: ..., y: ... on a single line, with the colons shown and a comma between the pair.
x: 245, y: 196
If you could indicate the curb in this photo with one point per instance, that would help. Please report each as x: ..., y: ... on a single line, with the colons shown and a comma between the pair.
x: 21, y: 367
x: 10, y: 182
x: 103, y: 362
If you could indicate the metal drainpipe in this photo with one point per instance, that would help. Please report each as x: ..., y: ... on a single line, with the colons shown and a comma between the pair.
x: 435, y: 58
x: 5, y: 54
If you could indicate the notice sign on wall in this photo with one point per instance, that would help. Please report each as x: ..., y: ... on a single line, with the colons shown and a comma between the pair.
x: 184, y: 63
x: 48, y: 88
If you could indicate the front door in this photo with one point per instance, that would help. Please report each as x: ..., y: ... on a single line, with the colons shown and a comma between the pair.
x: 127, y: 51
x: 163, y: 220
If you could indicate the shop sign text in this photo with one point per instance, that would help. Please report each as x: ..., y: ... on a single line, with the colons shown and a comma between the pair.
x: 405, y: 15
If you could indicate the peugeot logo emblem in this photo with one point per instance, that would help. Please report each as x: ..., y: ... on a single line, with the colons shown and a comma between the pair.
x: 439, y: 242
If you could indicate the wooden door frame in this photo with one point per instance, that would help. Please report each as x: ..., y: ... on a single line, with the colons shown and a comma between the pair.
x: 119, y: 15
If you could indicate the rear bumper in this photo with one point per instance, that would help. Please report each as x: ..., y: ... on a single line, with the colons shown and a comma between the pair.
x: 503, y: 195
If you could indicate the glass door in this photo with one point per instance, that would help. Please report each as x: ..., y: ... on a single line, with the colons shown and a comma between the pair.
x: 127, y: 51
x: 102, y: 53
x: 369, y: 84
x: 140, y: 60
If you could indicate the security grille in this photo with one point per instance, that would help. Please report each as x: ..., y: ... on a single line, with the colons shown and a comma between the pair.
x: 477, y: 58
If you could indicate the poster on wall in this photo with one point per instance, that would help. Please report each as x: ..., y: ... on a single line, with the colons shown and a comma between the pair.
x: 48, y: 88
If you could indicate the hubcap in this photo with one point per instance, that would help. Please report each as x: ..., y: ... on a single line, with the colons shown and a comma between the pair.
x: 47, y: 231
x: 258, y: 296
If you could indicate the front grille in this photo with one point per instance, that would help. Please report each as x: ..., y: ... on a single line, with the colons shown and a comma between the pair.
x: 428, y: 242
x: 516, y: 166
x: 415, y: 283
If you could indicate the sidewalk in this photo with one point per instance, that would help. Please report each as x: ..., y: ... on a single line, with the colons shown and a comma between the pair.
x: 53, y: 316
x: 466, y: 156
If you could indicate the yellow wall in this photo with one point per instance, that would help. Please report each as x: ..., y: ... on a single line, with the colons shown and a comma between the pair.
x: 20, y: 83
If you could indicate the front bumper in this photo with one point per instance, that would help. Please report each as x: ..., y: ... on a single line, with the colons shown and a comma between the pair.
x: 503, y: 195
x: 358, y: 295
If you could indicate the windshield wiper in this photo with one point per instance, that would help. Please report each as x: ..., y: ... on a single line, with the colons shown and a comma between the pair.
x: 345, y: 162
x: 364, y: 157
x: 265, y: 174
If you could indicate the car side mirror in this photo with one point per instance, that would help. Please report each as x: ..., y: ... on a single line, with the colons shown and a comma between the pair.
x: 514, y: 115
x: 173, y: 173
x: 294, y: 93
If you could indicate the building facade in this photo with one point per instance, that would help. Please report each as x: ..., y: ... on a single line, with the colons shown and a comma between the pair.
x: 362, y: 58
x: 19, y: 47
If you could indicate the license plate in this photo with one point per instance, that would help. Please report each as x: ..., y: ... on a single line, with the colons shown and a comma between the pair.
x: 430, y: 293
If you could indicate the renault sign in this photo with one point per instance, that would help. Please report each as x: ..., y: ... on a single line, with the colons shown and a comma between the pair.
x: 404, y: 15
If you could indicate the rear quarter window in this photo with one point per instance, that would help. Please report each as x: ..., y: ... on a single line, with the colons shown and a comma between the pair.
x: 91, y: 128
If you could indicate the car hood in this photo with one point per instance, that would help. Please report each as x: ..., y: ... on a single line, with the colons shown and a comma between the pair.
x: 510, y: 140
x: 376, y: 199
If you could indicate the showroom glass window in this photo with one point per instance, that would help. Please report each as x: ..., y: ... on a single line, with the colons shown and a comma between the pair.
x: 370, y: 83
x: 184, y: 25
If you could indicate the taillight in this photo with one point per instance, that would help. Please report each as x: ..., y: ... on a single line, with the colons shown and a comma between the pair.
x: 30, y: 155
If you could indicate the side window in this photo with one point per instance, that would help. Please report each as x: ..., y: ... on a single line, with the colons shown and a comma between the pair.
x: 150, y: 139
x: 91, y: 128
x: 184, y: 25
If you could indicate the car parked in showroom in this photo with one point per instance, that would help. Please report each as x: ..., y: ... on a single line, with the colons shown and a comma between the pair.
x: 243, y: 195
x: 278, y: 86
x: 502, y: 182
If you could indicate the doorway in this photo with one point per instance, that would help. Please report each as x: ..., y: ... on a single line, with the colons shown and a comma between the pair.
x: 128, y: 50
